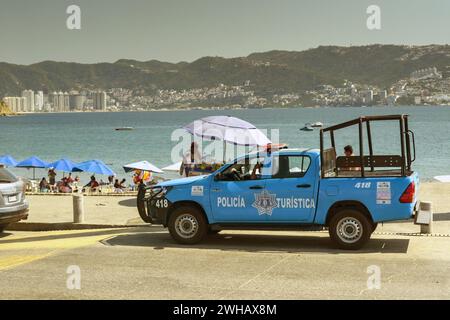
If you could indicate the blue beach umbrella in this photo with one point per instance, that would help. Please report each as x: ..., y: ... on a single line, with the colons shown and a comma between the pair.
x: 32, y: 162
x: 8, y: 161
x: 94, y: 166
x: 64, y: 165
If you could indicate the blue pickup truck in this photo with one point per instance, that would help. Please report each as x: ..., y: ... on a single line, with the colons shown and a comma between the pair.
x: 294, y: 189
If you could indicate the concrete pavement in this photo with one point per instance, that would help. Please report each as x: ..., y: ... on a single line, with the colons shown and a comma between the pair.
x: 145, y: 263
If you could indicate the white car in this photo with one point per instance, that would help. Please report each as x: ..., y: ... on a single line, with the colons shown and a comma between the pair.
x: 13, y: 206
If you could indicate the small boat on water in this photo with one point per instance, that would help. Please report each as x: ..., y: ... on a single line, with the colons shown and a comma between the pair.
x: 124, y: 129
x: 307, y: 128
x: 317, y: 124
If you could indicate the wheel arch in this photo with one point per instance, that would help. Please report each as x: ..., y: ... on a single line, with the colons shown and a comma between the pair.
x: 178, y: 204
x: 348, y: 204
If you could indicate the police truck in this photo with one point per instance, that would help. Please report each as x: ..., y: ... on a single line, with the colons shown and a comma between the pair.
x: 296, y: 189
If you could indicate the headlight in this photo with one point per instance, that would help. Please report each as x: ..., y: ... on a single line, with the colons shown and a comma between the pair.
x: 159, y: 192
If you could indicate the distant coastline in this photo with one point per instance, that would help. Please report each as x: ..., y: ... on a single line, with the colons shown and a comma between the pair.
x: 223, y: 108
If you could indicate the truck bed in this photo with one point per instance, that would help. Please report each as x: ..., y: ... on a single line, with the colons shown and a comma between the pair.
x: 369, y: 173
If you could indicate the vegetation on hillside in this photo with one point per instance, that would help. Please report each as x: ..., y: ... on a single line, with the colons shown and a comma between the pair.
x: 268, y: 72
x: 4, y: 109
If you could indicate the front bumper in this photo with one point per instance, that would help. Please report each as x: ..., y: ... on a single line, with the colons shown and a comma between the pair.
x: 153, y: 207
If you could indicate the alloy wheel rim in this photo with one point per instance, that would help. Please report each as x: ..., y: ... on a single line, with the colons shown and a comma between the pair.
x: 186, y: 226
x: 349, y: 230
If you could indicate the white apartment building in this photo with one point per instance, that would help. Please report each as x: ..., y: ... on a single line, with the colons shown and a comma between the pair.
x: 60, y: 101
x: 16, y: 104
x: 39, y: 101
x: 29, y: 95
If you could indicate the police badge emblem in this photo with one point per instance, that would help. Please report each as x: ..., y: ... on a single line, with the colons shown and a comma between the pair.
x: 265, y: 202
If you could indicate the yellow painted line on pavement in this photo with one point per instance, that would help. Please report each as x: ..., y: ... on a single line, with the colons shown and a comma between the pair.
x: 55, y: 240
x: 50, y: 242
x: 17, y: 260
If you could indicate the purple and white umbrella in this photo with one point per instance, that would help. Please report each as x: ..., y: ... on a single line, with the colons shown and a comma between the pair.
x: 228, y: 129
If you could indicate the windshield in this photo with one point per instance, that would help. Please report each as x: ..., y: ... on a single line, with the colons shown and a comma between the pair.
x: 7, y: 176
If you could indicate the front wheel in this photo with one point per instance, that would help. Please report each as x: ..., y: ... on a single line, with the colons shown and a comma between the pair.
x: 187, y: 225
x: 350, y: 229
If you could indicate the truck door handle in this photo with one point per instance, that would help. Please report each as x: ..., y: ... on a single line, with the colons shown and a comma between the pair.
x: 304, y: 186
x: 256, y: 187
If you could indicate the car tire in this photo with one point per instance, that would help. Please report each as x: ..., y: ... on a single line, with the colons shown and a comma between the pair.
x: 187, y: 225
x: 374, y: 226
x: 350, y: 229
x: 3, y: 227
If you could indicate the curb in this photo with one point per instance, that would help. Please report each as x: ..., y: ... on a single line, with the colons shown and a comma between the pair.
x: 62, y: 226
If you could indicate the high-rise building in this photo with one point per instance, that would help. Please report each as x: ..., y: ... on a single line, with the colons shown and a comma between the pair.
x: 53, y: 100
x: 60, y: 101
x: 23, y: 104
x: 11, y: 103
x: 99, y: 100
x: 29, y: 95
x: 77, y: 101
x: 16, y: 104
x: 367, y: 96
x: 39, y: 101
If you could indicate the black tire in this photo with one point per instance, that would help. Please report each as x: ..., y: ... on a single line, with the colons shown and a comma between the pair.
x: 374, y: 226
x: 350, y: 229
x: 3, y: 227
x: 187, y: 225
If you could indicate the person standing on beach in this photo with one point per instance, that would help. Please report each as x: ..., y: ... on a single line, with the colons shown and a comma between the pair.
x: 111, y: 180
x: 190, y: 159
x: 52, y: 178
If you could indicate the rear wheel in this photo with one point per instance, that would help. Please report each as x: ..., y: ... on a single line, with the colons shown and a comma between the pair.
x: 187, y: 225
x: 350, y: 229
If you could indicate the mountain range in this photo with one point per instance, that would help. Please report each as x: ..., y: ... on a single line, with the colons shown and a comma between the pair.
x: 269, y: 72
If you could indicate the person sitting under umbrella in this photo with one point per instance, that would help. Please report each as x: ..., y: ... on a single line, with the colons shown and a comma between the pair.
x: 118, y: 186
x: 43, y: 185
x: 63, y: 186
x: 92, y: 184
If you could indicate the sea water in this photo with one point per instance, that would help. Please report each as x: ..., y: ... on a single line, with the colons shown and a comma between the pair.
x: 86, y: 136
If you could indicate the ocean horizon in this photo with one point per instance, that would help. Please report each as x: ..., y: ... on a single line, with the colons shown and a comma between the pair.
x: 83, y: 136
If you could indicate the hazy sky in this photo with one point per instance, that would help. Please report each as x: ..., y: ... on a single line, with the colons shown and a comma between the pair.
x: 184, y: 30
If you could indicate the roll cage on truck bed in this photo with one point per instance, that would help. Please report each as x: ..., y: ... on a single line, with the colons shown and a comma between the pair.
x: 317, y: 189
x: 368, y: 165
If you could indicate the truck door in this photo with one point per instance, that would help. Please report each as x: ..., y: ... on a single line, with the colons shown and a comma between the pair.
x: 293, y: 184
x: 232, y: 192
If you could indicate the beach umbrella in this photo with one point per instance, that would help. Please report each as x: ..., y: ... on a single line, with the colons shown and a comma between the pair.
x: 228, y: 129
x: 32, y: 162
x: 173, y: 167
x: 445, y: 179
x: 8, y: 161
x: 94, y: 166
x: 64, y: 165
x: 142, y: 165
